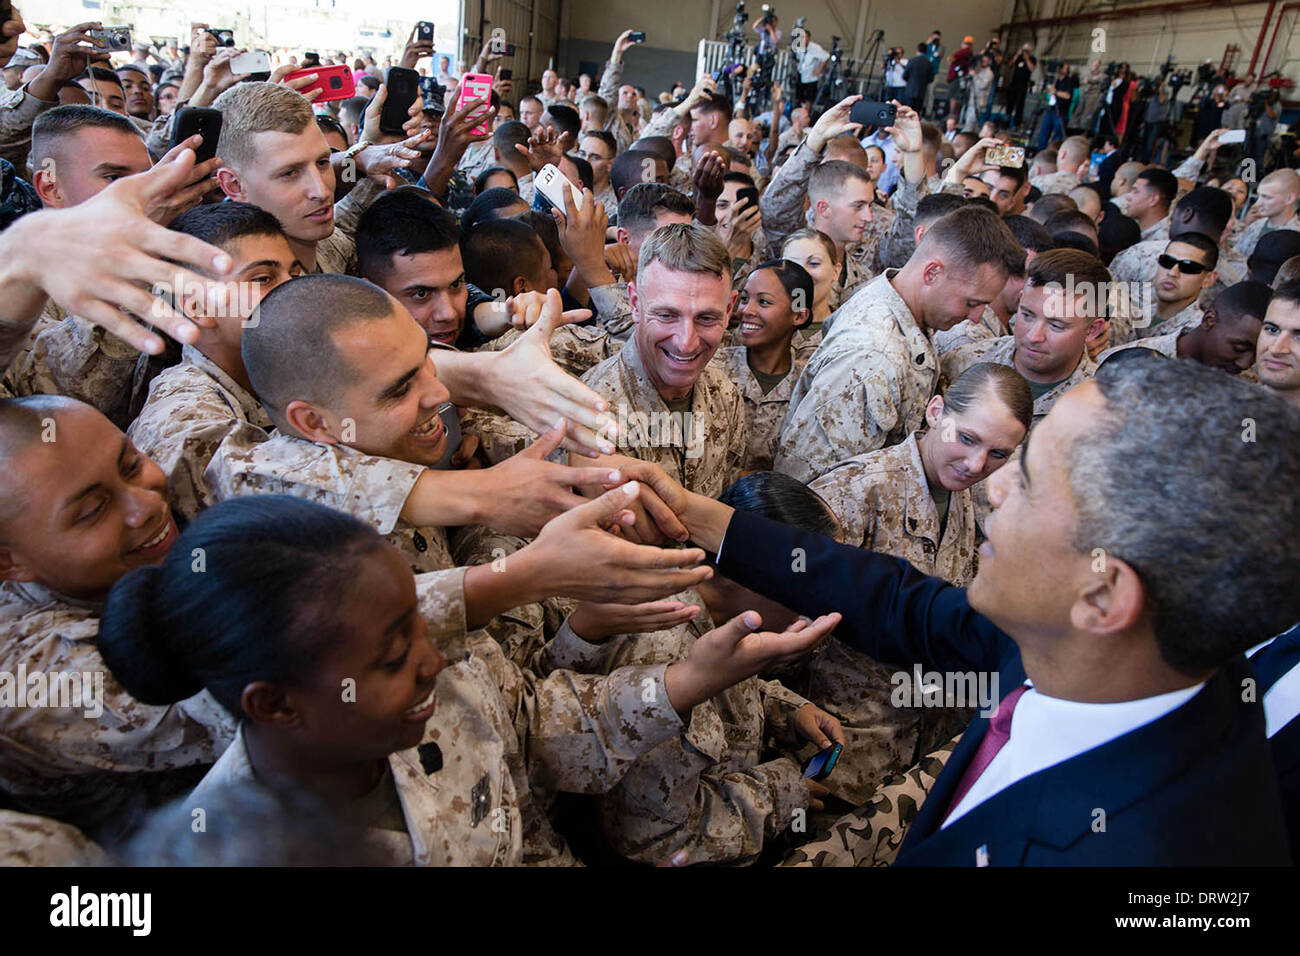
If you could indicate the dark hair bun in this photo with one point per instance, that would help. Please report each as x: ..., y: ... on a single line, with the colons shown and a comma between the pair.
x: 136, y: 646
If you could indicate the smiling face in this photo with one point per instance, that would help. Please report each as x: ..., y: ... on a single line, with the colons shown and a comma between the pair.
x: 963, y: 448
x: 394, y: 394
x: 766, y: 314
x: 92, y: 508
x: 1050, y: 334
x: 384, y: 648
x: 1029, y: 570
x: 680, y: 320
x: 291, y: 178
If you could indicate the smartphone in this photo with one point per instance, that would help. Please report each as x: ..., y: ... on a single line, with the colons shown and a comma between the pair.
x: 115, y: 39
x: 432, y: 93
x: 1232, y: 136
x: 203, y: 121
x: 474, y: 86
x: 820, y: 764
x: 334, y: 82
x: 403, y: 87
x: 224, y: 37
x: 550, y: 182
x: 254, y: 61
x: 873, y: 113
x: 746, y: 196
x: 1005, y: 156
x: 506, y: 74
x: 424, y: 31
x: 451, y: 422
x: 637, y: 36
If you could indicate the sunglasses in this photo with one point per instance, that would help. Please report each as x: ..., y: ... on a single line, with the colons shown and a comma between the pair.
x: 1186, y: 266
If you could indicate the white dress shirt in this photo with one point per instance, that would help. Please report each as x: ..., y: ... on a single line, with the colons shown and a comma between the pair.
x: 1282, y: 700
x: 1047, y: 730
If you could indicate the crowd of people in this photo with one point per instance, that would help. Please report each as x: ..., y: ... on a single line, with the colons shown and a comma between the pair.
x: 632, y: 482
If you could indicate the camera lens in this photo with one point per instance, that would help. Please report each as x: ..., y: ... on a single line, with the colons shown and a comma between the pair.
x: 336, y: 82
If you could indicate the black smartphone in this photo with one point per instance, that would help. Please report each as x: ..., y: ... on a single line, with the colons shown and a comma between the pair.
x: 403, y: 87
x: 637, y: 36
x: 451, y: 422
x: 424, y: 31
x: 873, y: 113
x: 203, y: 121
x: 820, y: 764
x: 746, y: 196
x: 432, y: 93
x: 506, y: 75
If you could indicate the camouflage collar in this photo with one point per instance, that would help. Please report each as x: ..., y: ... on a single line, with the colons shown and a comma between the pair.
x: 39, y: 596
x: 249, y: 406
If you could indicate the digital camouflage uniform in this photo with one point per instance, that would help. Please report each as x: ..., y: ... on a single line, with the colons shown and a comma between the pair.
x: 872, y: 834
x: 27, y: 840
x: 763, y: 413
x: 704, y: 457
x: 18, y: 111
x: 1002, y: 351
x: 499, y: 741
x: 575, y: 348
x: 613, y: 311
x: 783, y: 210
x: 89, y: 770
x: 865, y: 388
x: 74, y: 358
x: 1058, y: 182
x: 1166, y: 345
x: 708, y: 791
x: 192, y: 408
x: 1250, y: 235
x: 990, y: 326
x: 624, y: 133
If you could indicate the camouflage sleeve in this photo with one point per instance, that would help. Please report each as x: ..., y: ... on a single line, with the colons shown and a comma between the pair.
x: 738, y: 446
x: 159, y: 138
x: 441, y: 597
x: 780, y: 704
x: 872, y: 834
x: 677, y: 797
x: 661, y: 124
x: 18, y: 111
x: 609, y: 81
x: 782, y: 205
x: 613, y: 311
x: 849, y: 409
x: 348, y: 210
x: 367, y: 487
x: 580, y: 732
x: 1189, y: 168
x: 567, y: 651
x: 81, y: 361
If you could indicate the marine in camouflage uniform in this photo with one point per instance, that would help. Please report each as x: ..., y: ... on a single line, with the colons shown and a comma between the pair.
x: 1250, y: 234
x: 66, y: 761
x: 865, y: 388
x: 192, y: 408
x: 709, y: 790
x: 703, y: 453
x: 783, y: 209
x: 500, y: 740
x: 872, y: 834
x: 1002, y: 351
x: 763, y: 412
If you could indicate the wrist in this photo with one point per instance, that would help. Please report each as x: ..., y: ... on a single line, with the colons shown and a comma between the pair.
x: 683, y: 686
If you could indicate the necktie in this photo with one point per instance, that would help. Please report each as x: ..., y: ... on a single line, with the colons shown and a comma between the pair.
x: 994, y: 740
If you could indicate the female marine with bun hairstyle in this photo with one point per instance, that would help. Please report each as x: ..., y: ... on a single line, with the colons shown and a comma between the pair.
x: 311, y: 629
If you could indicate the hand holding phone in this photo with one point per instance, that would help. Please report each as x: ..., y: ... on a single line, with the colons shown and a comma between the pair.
x: 1232, y: 136
x: 1005, y: 156
x: 820, y: 764
x: 551, y: 183
x: 202, y: 120
x: 873, y: 113
x: 334, y: 82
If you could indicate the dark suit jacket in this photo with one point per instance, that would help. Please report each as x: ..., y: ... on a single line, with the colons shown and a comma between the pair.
x: 1194, y: 788
x: 1285, y: 744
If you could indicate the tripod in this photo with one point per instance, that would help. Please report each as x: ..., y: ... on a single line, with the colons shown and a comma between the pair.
x: 830, y: 75
x: 872, y: 57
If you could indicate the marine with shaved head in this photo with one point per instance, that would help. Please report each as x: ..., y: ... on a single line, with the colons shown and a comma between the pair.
x: 1275, y: 208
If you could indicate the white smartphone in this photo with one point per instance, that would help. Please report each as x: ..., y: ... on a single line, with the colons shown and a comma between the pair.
x: 1233, y: 136
x: 254, y: 61
x: 550, y: 183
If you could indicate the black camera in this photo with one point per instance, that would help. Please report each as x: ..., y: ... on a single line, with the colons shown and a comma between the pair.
x: 224, y: 37
x: 769, y: 15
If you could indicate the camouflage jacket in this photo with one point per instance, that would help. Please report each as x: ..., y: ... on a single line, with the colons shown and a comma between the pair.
x: 100, y: 752
x: 18, y: 111
x: 702, y: 449
x: 612, y: 309
x: 1003, y: 352
x: 1249, y: 237
x: 865, y: 388
x: 1058, y: 182
x: 500, y: 739
x: 884, y: 504
x: 708, y: 790
x: 367, y: 487
x: 990, y: 326
x: 763, y: 413
x: 192, y: 408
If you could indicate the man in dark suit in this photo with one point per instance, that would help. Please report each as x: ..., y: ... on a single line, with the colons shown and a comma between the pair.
x: 917, y: 76
x: 1125, y: 574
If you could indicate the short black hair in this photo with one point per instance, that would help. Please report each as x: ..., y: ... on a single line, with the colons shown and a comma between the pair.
x: 1070, y: 220
x: 481, y: 179
x: 220, y: 224
x: 640, y: 204
x: 1210, y: 206
x: 1014, y: 172
x: 102, y: 74
x: 1163, y: 182
x: 1200, y: 241
x: 586, y: 175
x: 605, y: 136
x: 489, y: 205
x: 1273, y: 249
x: 936, y: 206
x: 629, y: 168
x: 565, y: 119
x: 743, y: 178
x: 1246, y: 298
x: 495, y: 251
x: 1069, y: 239
x: 401, y: 223
x: 508, y: 135
x: 1030, y: 234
